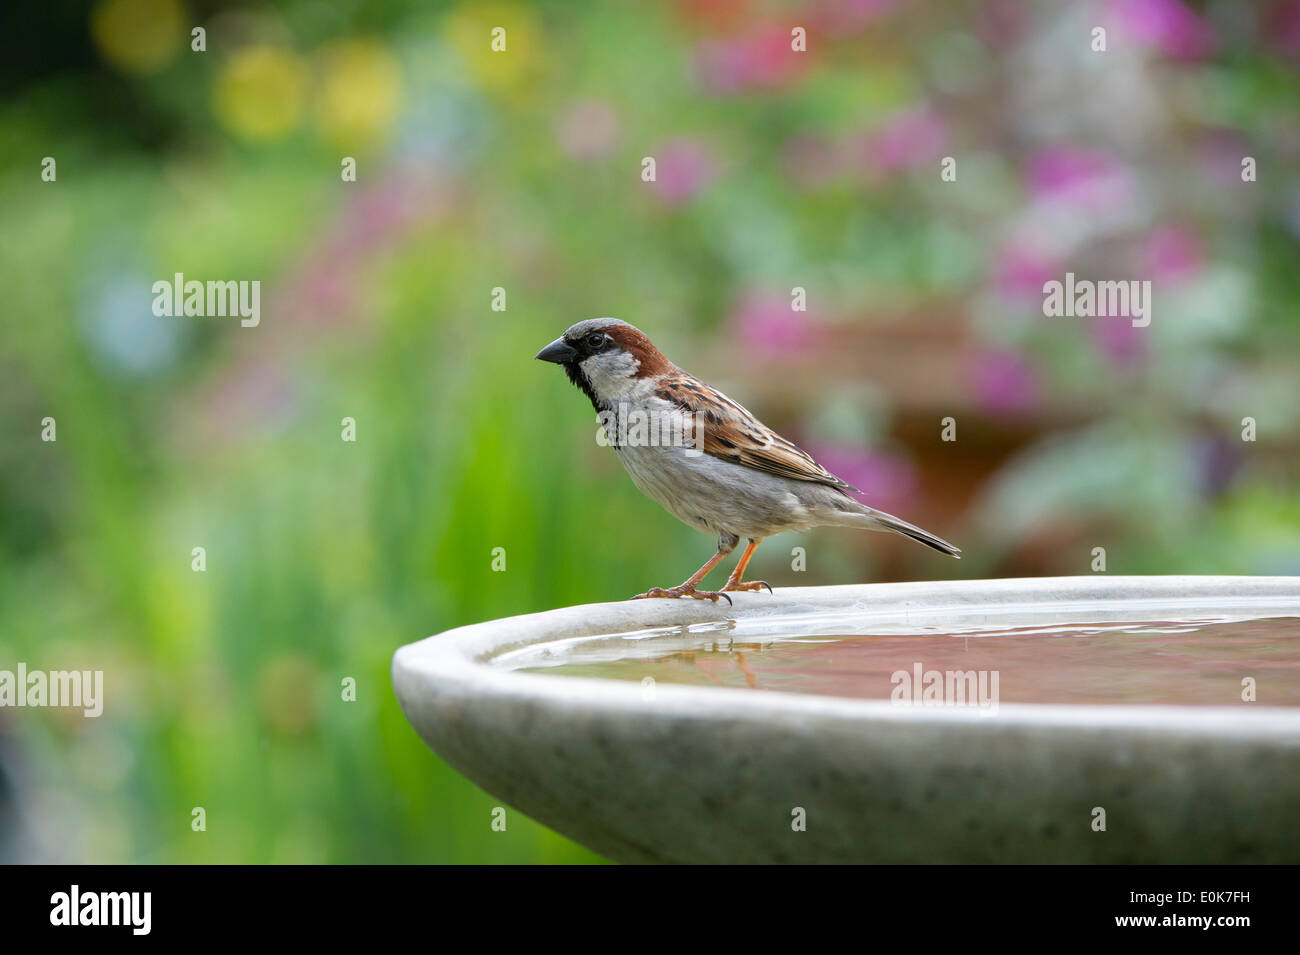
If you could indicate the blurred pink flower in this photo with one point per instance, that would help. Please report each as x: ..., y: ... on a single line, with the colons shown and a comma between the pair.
x: 683, y: 167
x: 1283, y: 30
x: 910, y: 138
x: 1173, y: 254
x: 1004, y: 383
x: 760, y: 60
x: 1117, y: 340
x: 766, y: 323
x: 1063, y: 169
x: 323, y: 287
x: 887, y: 481
x: 588, y: 129
x: 1085, y: 177
x: 256, y: 393
x: 378, y: 210
x: 1166, y: 25
x: 1019, y: 271
x: 1220, y: 152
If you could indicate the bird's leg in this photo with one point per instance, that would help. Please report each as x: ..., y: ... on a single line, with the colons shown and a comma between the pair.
x: 726, y: 544
x: 733, y: 582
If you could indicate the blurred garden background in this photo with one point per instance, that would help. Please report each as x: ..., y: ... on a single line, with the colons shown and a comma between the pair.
x: 521, y: 170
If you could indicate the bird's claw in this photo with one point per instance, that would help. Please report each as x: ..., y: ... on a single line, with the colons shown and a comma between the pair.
x: 712, y: 595
x: 748, y: 585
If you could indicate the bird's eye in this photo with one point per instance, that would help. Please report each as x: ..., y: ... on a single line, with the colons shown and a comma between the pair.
x: 595, y: 340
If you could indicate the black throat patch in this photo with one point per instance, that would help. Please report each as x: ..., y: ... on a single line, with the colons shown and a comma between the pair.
x: 579, y: 378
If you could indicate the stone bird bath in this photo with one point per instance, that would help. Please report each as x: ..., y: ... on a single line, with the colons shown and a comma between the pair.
x: 1118, y: 704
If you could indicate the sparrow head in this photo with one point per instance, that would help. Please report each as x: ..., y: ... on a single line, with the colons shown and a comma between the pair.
x: 607, y: 359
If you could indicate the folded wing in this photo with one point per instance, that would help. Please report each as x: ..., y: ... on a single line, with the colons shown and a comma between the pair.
x: 733, y: 434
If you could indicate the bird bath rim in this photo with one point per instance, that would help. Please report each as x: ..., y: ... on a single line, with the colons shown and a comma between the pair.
x: 474, y: 654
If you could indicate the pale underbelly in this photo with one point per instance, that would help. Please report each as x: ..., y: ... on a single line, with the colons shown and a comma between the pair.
x: 717, y: 496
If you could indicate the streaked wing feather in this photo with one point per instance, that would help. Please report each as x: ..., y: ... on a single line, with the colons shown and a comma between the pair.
x: 733, y: 434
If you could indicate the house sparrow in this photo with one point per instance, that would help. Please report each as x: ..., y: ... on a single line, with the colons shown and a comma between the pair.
x: 731, y: 476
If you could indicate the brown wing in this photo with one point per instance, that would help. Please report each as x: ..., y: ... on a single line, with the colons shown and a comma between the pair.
x: 733, y: 434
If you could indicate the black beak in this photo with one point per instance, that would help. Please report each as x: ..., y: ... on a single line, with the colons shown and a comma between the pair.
x: 558, y: 351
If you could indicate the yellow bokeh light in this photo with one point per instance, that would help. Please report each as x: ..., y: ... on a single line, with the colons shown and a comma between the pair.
x: 259, y: 94
x: 361, y: 92
x: 468, y: 30
x: 139, y: 36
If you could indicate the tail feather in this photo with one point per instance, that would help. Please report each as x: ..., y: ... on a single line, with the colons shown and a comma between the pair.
x: 869, y: 518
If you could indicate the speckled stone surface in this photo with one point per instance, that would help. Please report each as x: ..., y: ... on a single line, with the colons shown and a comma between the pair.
x: 704, y: 774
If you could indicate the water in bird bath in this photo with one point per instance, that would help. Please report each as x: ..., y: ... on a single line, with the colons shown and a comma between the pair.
x: 1207, y: 660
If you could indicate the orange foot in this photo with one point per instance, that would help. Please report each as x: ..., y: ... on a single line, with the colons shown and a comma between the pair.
x: 748, y: 585
x: 683, y: 591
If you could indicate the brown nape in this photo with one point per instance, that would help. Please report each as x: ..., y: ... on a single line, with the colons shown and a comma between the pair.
x: 638, y: 346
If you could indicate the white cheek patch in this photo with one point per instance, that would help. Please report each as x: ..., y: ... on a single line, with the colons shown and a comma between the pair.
x: 611, y: 373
